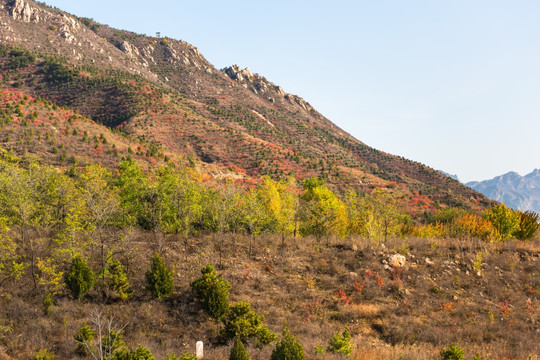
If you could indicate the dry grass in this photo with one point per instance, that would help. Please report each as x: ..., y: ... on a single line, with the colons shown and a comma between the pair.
x: 366, y: 311
x: 408, y: 314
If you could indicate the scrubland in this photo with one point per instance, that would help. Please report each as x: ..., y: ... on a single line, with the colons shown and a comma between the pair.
x: 484, y: 297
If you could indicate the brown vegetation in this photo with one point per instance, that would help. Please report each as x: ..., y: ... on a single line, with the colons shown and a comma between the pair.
x: 410, y: 314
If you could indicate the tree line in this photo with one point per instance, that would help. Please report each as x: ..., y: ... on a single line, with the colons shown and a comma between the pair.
x: 83, y: 208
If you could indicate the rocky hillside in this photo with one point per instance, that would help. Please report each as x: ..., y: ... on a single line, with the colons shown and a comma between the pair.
x: 164, y: 94
x: 516, y: 191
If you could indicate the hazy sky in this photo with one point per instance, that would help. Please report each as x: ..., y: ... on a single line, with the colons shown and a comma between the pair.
x: 452, y: 84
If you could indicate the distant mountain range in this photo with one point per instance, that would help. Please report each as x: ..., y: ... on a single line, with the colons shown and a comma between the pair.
x: 516, y: 191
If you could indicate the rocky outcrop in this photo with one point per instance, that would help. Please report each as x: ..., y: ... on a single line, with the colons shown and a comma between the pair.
x: 129, y: 49
x: 176, y: 54
x: 235, y: 73
x: 147, y: 52
x: 68, y: 27
x: 69, y: 23
x: 260, y: 86
x: 171, y: 55
x: 21, y: 10
x: 298, y: 100
x: 70, y: 39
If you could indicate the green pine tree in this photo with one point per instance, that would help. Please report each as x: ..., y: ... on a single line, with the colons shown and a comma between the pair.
x: 453, y: 352
x: 289, y: 348
x: 83, y: 338
x: 213, y: 292
x: 116, y: 280
x: 218, y: 300
x: 238, y: 351
x: 243, y: 322
x: 159, y: 279
x: 80, y: 278
x: 341, y: 344
x: 141, y: 353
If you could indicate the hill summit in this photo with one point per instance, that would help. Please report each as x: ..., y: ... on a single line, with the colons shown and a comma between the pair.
x: 162, y: 100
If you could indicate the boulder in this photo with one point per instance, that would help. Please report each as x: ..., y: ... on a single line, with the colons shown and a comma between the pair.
x: 70, y: 39
x: 397, y: 260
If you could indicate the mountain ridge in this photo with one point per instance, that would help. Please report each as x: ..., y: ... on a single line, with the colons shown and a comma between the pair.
x: 162, y: 91
x: 516, y: 191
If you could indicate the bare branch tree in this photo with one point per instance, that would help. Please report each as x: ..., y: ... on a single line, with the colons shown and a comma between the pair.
x: 108, y: 339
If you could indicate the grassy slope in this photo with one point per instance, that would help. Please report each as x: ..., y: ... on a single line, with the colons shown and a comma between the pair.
x: 411, y: 313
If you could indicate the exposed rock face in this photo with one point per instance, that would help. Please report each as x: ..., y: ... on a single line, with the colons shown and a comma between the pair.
x: 129, y: 49
x: 21, y: 10
x: 70, y: 22
x: 298, y: 100
x: 147, y: 53
x: 69, y: 37
x: 260, y: 86
x: 235, y: 73
x: 171, y: 54
x: 68, y: 26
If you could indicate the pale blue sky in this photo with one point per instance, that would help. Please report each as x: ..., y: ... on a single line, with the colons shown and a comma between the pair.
x: 452, y: 84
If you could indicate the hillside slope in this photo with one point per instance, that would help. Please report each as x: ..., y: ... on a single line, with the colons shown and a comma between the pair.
x: 164, y: 93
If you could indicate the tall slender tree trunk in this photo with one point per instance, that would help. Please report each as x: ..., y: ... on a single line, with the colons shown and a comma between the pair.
x: 24, y: 239
x: 221, y: 242
x: 250, y: 244
x: 102, y: 241
x: 33, y: 265
x: 186, y: 242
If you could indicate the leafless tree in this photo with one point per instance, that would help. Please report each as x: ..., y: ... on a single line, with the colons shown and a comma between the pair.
x: 107, y: 340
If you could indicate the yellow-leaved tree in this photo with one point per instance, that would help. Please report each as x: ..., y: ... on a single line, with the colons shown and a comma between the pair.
x: 102, y: 204
x: 505, y: 220
x: 375, y: 216
x: 11, y: 266
x: 281, y: 204
x: 323, y: 214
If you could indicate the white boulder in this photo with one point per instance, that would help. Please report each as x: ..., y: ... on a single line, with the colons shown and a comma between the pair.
x: 397, y: 261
